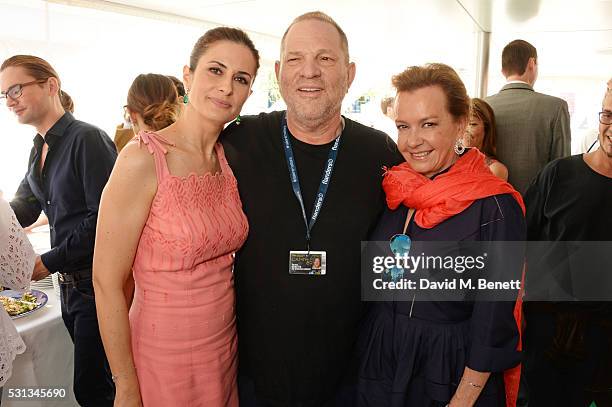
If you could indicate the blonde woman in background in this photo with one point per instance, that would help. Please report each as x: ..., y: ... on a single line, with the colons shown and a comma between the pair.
x: 152, y: 104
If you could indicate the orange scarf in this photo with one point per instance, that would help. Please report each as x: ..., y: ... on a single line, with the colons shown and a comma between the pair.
x: 448, y: 194
x: 445, y: 196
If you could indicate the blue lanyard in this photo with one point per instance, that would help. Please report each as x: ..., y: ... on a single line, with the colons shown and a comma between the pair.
x: 295, y: 181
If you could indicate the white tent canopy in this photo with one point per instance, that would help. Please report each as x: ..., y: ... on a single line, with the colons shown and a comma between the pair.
x: 98, y: 47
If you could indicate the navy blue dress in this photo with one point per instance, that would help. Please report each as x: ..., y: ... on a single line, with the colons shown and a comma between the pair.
x: 414, y: 354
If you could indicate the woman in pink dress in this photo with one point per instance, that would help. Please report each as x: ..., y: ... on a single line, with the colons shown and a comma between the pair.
x: 171, y: 216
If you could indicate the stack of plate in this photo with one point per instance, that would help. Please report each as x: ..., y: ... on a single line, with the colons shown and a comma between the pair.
x: 44, y: 284
x: 39, y: 238
x: 47, y: 283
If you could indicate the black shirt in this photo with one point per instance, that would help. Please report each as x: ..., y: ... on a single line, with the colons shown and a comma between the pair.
x: 569, y: 201
x: 79, y: 161
x: 568, y: 210
x: 297, y: 331
x: 568, y: 281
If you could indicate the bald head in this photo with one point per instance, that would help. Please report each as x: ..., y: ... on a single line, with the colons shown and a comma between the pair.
x: 608, y: 93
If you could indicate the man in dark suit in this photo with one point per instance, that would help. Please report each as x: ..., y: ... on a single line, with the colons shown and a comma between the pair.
x: 532, y: 128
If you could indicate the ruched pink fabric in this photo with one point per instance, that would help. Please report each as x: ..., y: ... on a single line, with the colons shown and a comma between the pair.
x: 183, y: 318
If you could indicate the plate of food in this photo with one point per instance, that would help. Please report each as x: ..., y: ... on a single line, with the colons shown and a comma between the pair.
x: 19, y: 304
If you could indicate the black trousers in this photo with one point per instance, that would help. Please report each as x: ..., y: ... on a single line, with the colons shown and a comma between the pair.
x: 557, y: 378
x: 93, y: 386
x: 345, y: 396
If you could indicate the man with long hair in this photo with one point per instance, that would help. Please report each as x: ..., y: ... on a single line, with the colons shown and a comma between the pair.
x: 68, y: 167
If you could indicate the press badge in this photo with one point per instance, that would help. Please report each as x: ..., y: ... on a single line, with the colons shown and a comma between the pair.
x: 304, y: 262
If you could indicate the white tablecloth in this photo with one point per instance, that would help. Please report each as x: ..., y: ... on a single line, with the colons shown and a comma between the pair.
x: 48, y: 359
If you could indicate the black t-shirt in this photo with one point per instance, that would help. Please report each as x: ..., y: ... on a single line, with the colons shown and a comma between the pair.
x: 296, y: 332
x: 568, y: 205
x: 569, y: 201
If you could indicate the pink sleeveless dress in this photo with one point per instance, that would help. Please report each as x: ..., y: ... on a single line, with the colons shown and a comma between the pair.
x: 182, y: 318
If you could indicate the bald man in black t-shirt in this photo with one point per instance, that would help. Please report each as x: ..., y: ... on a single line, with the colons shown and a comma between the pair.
x: 296, y: 329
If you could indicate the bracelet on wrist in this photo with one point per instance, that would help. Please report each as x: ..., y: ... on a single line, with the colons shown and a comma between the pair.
x: 114, y: 377
x: 478, y: 386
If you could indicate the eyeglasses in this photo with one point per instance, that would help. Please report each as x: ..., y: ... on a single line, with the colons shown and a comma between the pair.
x: 15, y: 91
x: 605, y: 117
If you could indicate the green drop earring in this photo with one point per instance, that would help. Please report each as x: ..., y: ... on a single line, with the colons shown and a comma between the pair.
x: 185, y: 98
x: 238, y: 120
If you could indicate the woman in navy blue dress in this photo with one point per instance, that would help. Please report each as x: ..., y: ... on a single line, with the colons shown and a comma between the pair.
x: 436, y: 353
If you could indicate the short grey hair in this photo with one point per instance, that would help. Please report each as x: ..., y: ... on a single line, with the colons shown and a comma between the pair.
x: 319, y: 16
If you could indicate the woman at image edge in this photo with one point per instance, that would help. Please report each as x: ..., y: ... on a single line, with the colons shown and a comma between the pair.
x: 16, y: 266
x: 172, y: 216
x: 434, y: 353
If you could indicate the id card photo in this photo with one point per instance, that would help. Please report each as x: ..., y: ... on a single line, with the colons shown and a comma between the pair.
x: 304, y: 262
